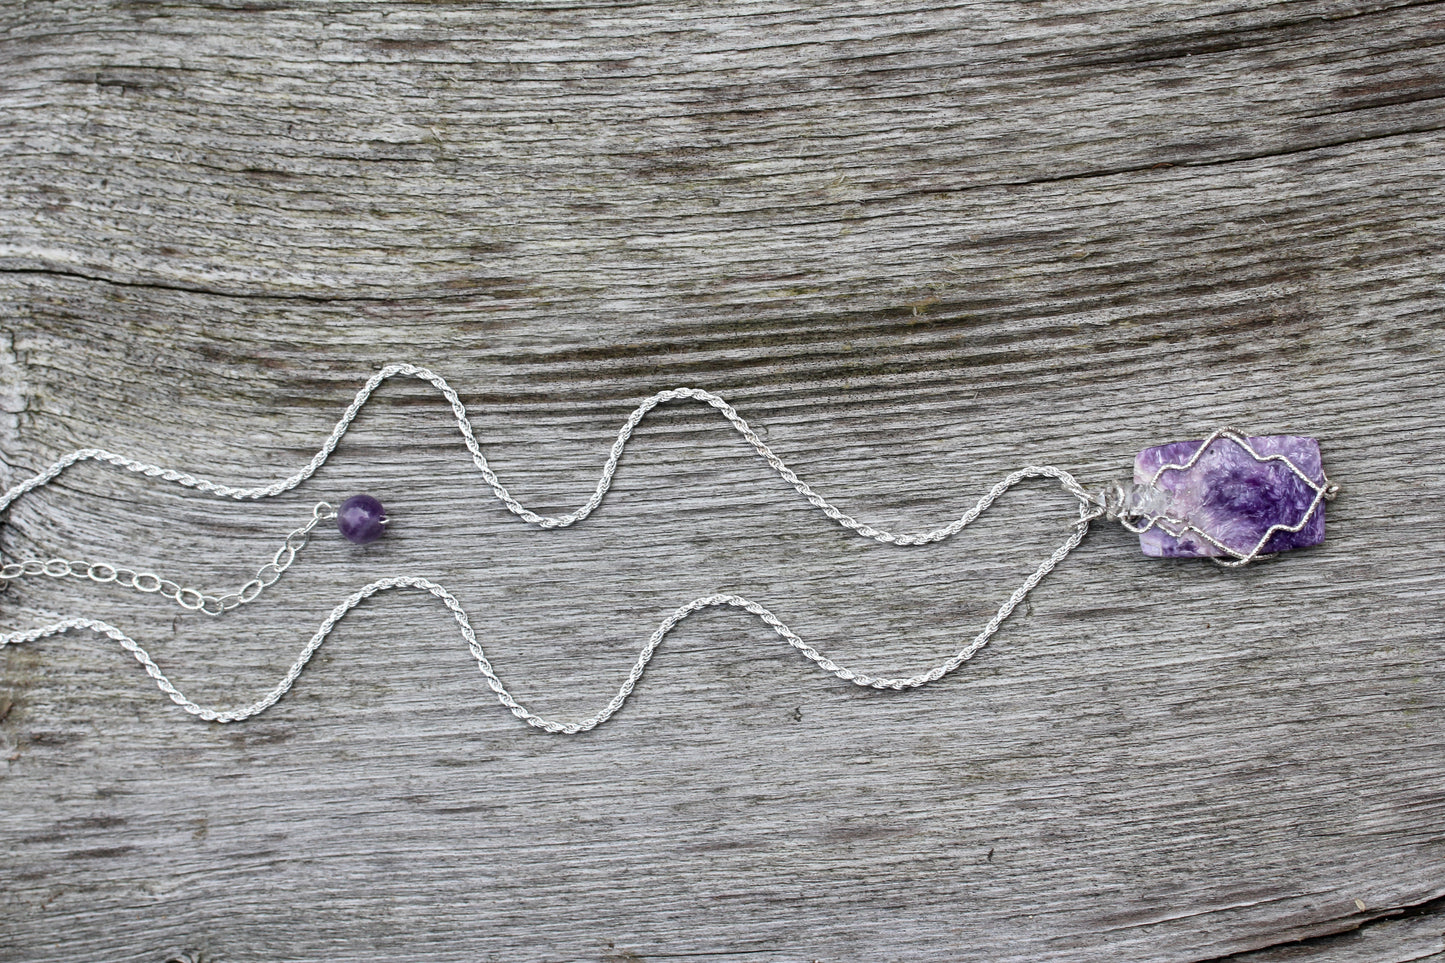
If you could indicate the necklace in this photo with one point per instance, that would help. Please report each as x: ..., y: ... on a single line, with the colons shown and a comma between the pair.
x: 1229, y: 497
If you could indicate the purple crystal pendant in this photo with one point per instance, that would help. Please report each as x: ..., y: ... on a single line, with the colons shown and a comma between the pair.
x: 361, y: 519
x: 1230, y: 497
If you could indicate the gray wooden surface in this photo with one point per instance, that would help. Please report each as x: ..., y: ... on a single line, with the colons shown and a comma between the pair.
x: 923, y: 244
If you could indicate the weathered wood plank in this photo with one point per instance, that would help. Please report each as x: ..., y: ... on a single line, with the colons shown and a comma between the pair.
x: 923, y: 245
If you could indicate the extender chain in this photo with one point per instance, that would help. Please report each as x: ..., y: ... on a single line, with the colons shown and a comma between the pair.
x: 1091, y: 506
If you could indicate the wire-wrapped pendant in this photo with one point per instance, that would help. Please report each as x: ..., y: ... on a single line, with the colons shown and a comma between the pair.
x: 1230, y: 497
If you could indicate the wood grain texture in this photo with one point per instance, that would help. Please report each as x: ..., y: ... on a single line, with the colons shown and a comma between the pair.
x: 922, y: 244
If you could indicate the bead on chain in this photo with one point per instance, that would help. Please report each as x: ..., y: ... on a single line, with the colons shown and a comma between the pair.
x: 361, y: 519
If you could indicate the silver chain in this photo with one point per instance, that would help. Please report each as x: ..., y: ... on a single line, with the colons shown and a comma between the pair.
x: 190, y: 599
x: 1090, y: 506
x: 604, y: 482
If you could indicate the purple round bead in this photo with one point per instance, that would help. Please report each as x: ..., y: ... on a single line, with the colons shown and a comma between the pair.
x: 361, y: 519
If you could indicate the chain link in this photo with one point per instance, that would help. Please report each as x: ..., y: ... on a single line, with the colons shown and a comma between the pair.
x: 190, y: 599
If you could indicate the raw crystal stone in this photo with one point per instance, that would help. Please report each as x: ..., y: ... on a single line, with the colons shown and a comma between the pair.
x: 1233, y: 496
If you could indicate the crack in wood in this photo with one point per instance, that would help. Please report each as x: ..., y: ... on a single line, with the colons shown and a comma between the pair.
x: 1350, y: 928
